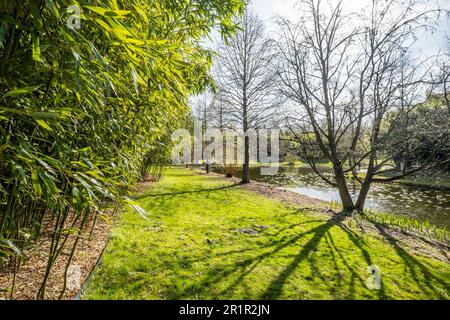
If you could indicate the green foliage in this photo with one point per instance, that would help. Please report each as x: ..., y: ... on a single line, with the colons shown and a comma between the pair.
x: 81, y: 108
x: 408, y: 225
x: 425, y: 125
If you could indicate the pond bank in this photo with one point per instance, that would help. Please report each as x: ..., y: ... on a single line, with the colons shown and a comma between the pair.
x: 423, y: 204
x: 425, y: 183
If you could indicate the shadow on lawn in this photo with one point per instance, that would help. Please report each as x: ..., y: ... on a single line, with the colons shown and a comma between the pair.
x: 275, y: 288
x: 413, y: 265
x: 341, y: 259
x: 153, y: 195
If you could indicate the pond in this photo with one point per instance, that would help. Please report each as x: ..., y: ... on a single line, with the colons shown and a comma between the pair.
x: 418, y: 202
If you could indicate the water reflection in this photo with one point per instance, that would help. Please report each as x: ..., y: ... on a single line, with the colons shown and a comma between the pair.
x: 420, y: 203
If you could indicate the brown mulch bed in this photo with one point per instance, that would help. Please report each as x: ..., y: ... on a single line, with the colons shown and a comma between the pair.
x: 32, y: 269
x: 89, y: 250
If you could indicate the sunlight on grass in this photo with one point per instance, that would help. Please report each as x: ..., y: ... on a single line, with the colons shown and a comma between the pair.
x: 196, y: 247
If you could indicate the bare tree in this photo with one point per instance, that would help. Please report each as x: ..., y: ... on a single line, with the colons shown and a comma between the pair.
x: 246, y: 80
x: 442, y: 78
x: 445, y: 69
x: 217, y: 115
x: 205, y: 112
x: 349, y: 77
x: 446, y: 76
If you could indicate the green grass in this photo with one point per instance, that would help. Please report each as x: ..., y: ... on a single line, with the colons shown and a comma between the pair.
x: 192, y: 249
x: 406, y: 224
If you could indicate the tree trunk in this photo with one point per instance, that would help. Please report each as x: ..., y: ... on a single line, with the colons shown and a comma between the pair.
x: 362, y: 196
x: 346, y: 199
x: 246, y: 166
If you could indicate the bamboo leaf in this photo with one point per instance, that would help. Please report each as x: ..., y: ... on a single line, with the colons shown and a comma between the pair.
x: 137, y: 208
x: 11, y: 245
x: 36, y: 46
x: 36, y: 183
x: 108, y: 13
x: 18, y: 169
x: 135, y: 80
x: 103, y: 24
x: 43, y: 124
x: 51, y: 6
x: 99, y: 10
x: 77, y: 67
x: 2, y: 189
x: 86, y: 186
x: 70, y: 231
x: 117, y: 13
x: 19, y: 92
x: 105, y: 218
x: 43, y: 115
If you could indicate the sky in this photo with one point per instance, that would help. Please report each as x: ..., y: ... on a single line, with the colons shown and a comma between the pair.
x: 428, y: 43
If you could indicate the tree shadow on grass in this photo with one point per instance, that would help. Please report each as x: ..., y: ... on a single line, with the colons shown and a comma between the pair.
x: 154, y: 195
x: 245, y: 250
x: 244, y: 267
x: 239, y: 270
x: 274, y: 290
x: 414, y: 266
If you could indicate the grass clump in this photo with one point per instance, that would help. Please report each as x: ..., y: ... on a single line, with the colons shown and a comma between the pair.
x: 408, y: 225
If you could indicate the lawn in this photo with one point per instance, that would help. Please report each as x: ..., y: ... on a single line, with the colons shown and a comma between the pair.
x: 208, y: 238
